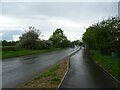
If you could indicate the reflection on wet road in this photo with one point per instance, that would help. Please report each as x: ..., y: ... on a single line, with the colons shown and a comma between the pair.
x: 16, y: 71
x: 85, y: 73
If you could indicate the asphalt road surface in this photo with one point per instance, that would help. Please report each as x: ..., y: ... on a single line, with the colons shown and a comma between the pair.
x: 85, y: 73
x: 16, y: 71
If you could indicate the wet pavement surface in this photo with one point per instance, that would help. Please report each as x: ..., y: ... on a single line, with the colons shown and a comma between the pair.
x: 85, y: 73
x: 16, y: 71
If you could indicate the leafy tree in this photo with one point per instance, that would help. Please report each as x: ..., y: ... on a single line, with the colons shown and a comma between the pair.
x: 30, y: 39
x: 104, y: 36
x: 59, y: 39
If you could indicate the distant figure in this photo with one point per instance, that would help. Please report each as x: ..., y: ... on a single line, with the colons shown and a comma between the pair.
x: 72, y: 45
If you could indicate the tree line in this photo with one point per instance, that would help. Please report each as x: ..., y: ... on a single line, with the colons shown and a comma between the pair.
x: 8, y: 43
x: 104, y: 36
x: 31, y: 40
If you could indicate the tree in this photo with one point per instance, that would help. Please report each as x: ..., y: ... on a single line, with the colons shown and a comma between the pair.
x: 59, y: 39
x: 104, y: 36
x: 30, y: 39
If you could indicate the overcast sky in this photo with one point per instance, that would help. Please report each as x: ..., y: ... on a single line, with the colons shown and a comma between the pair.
x: 71, y: 17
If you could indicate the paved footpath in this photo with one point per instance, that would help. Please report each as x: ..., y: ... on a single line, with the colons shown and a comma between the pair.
x: 85, y: 73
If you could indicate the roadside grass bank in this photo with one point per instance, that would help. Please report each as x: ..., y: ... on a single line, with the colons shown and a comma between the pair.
x: 21, y: 52
x: 112, y: 65
x: 51, y: 78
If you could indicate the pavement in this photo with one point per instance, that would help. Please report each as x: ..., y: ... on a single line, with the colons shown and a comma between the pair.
x: 85, y: 73
x: 16, y: 71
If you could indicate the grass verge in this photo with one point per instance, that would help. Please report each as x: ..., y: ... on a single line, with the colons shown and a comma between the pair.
x: 112, y: 65
x: 9, y: 54
x: 51, y: 78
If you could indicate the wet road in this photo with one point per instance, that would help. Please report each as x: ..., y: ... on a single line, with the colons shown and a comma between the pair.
x: 85, y: 73
x: 16, y: 71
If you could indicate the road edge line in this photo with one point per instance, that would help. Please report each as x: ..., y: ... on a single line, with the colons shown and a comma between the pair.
x: 74, y: 52
x: 95, y: 61
x: 68, y: 62
x: 107, y: 72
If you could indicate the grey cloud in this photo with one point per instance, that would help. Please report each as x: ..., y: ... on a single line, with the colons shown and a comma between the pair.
x: 38, y: 13
x: 8, y: 35
x: 82, y: 11
x: 73, y: 10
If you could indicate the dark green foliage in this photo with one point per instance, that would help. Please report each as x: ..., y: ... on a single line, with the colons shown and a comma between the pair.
x: 59, y: 39
x: 77, y: 42
x: 9, y: 43
x: 104, y: 36
x: 45, y: 44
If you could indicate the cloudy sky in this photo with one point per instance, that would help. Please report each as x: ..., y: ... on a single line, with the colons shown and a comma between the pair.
x: 72, y: 17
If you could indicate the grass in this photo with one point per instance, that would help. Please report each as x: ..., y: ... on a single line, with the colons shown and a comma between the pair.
x: 51, y: 78
x: 112, y: 65
x: 9, y: 54
x: 51, y: 73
